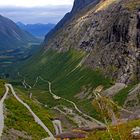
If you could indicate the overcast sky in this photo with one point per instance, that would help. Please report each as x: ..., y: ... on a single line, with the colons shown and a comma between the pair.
x: 35, y: 11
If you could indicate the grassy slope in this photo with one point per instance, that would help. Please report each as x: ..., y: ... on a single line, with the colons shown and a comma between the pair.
x: 57, y: 67
x: 49, y: 102
x: 2, y: 89
x: 121, y: 96
x: 19, y: 118
x: 44, y: 114
x: 124, y: 130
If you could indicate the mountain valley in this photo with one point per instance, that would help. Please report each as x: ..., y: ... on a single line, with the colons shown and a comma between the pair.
x: 38, y: 30
x: 82, y: 82
x: 15, y: 44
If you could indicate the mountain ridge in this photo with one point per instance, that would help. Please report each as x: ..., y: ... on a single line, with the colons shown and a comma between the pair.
x: 90, y: 64
x: 77, y: 7
x: 112, y: 24
x: 37, y: 29
x: 15, y: 43
x: 12, y: 36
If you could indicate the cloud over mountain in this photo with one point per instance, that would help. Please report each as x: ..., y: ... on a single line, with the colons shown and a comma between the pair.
x: 46, y: 14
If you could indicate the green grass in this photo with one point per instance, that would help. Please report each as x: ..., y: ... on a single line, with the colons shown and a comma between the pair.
x: 44, y: 97
x: 122, y: 95
x: 124, y: 130
x: 19, y: 118
x: 44, y: 114
x: 58, y: 69
x: 86, y: 106
x: 2, y: 89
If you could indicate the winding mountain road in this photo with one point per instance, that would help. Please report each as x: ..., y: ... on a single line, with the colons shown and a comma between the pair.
x: 1, y: 111
x: 71, y: 102
x: 9, y: 87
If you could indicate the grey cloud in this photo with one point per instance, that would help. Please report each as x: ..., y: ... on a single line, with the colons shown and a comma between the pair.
x: 48, y: 14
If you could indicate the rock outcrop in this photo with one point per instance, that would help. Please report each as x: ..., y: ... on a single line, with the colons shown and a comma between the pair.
x: 135, y: 133
x: 77, y: 7
x: 80, y: 4
x: 132, y: 101
x: 110, y: 33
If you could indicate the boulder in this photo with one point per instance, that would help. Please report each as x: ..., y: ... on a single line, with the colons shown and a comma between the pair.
x: 135, y: 133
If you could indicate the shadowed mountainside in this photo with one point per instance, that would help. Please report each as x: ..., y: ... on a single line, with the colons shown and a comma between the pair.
x: 11, y: 36
x: 77, y: 7
x: 109, y: 33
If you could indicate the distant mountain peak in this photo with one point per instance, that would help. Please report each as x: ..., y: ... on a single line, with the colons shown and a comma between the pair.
x: 80, y: 4
x: 20, y: 23
x: 37, y: 29
x: 109, y: 32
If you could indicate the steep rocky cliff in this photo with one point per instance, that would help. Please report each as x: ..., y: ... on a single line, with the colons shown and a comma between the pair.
x: 77, y: 7
x: 110, y: 33
x: 80, y: 4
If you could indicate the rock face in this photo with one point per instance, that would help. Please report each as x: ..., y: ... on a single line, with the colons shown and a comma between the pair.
x: 132, y: 101
x: 77, y: 7
x: 135, y: 133
x: 112, y: 91
x: 110, y: 33
x: 80, y: 4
